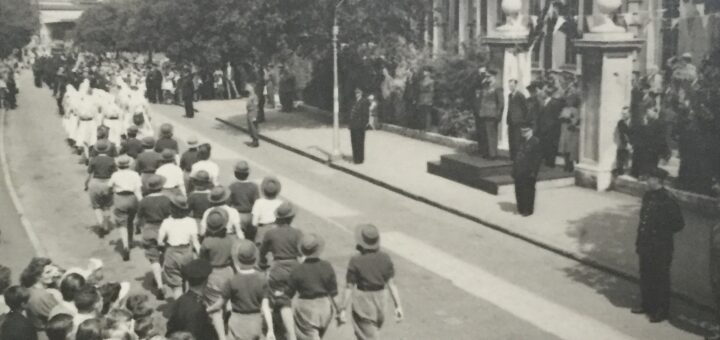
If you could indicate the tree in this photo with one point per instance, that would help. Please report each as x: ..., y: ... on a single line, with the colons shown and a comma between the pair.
x: 98, y: 28
x: 19, y: 20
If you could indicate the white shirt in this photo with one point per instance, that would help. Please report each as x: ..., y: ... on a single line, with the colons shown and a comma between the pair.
x: 263, y: 211
x: 233, y: 225
x: 178, y: 231
x: 212, y: 169
x: 126, y: 180
x: 174, y: 176
x: 63, y: 307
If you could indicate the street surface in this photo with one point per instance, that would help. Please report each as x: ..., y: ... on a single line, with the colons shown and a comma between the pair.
x: 458, y: 279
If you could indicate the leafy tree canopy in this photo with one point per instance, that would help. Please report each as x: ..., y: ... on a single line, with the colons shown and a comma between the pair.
x: 19, y: 20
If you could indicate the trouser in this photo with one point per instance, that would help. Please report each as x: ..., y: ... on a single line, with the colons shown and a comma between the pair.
x: 621, y: 159
x: 715, y: 267
x: 261, y: 105
x: 655, y: 281
x: 189, y: 110
x: 61, y: 109
x: 425, y: 117
x: 549, y: 142
x: 287, y: 100
x: 525, y: 195
x: 515, y: 139
x: 643, y: 161
x: 357, y: 140
x: 253, y: 129
x: 487, y: 136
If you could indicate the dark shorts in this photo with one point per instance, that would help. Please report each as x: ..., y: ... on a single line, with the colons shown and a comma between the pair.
x: 125, y: 208
x: 150, y: 242
x: 100, y: 195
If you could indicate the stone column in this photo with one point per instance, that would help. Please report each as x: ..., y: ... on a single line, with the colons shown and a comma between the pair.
x: 491, y: 15
x: 478, y: 18
x: 463, y: 34
x: 438, y: 26
x: 607, y: 65
x: 510, y: 56
x: 452, y: 22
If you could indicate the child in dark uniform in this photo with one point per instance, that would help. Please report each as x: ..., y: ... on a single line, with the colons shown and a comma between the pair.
x: 367, y: 276
x: 217, y: 248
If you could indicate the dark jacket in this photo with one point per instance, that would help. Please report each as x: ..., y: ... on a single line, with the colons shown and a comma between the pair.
x: 132, y: 147
x: 548, y: 116
x: 489, y: 103
x: 660, y: 218
x: 17, y: 327
x: 188, y: 88
x: 518, y: 112
x: 360, y: 114
x: 527, y: 159
x: 188, y: 314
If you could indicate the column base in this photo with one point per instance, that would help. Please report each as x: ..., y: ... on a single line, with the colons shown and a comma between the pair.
x: 590, y: 176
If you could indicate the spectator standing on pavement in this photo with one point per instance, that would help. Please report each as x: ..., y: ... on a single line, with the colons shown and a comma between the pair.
x: 517, y: 116
x: 426, y: 96
x: 243, y: 194
x: 368, y: 274
x: 660, y: 218
x: 570, y: 129
x: 548, y: 123
x: 359, y: 118
x: 525, y: 171
x: 252, y: 116
x: 16, y: 326
x: 315, y: 283
x: 288, y: 87
x: 189, y: 313
x: 649, y: 144
x: 488, y: 109
x: 187, y: 88
x: 622, y: 139
x: 38, y: 277
x: 69, y: 287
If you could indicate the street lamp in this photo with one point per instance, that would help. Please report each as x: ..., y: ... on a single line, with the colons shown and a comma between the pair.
x: 336, y: 155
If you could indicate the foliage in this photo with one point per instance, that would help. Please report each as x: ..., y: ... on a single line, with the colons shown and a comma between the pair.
x: 19, y: 20
x: 457, y: 123
x: 97, y: 30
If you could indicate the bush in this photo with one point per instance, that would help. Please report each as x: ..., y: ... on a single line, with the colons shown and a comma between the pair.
x: 457, y: 123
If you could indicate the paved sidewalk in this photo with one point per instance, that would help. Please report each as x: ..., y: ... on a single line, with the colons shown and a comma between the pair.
x: 596, y: 227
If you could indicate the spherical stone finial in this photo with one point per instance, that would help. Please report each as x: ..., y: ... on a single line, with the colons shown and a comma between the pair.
x: 513, y: 22
x: 606, y: 24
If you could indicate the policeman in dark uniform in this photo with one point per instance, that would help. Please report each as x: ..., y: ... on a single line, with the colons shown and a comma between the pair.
x: 189, y: 314
x: 525, y: 170
x: 188, y: 93
x: 660, y: 218
x: 359, y: 118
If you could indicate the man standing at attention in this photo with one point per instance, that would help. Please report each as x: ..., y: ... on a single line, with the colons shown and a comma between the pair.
x: 359, y: 117
x: 517, y: 116
x: 488, y: 108
x: 525, y: 170
x: 660, y: 218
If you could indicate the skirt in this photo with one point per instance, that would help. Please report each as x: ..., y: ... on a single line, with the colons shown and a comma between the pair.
x: 368, y: 313
x: 100, y: 195
x: 125, y: 208
x: 175, y: 258
x: 115, y: 130
x: 70, y: 122
x: 216, y: 281
x: 86, y: 132
x: 245, y: 326
x: 312, y: 318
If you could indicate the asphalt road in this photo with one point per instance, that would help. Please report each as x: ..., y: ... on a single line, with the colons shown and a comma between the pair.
x: 458, y: 279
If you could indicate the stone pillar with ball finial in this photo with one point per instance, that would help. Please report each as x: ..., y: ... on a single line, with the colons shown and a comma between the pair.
x: 510, y: 55
x: 607, y: 64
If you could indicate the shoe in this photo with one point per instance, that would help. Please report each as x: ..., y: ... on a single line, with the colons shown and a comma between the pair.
x: 658, y: 318
x: 637, y: 310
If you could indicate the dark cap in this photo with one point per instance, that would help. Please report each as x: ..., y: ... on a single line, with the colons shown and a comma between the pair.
x: 180, y: 202
x: 367, y: 236
x: 166, y: 129
x: 311, y: 245
x: 242, y: 167
x: 201, y: 176
x: 155, y: 182
x: 285, y: 210
x: 270, y: 186
x: 168, y: 155
x: 148, y: 142
x: 196, y: 270
x: 246, y: 252
x: 133, y: 129
x: 102, y: 146
x: 218, y: 194
x: 216, y: 220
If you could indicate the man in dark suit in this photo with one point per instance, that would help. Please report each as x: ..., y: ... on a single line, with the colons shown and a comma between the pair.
x: 525, y: 170
x: 359, y: 117
x: 548, y: 123
x: 517, y: 116
x: 660, y: 218
x: 188, y: 94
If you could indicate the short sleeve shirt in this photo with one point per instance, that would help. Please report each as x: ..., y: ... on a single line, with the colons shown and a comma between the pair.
x: 125, y: 181
x: 166, y: 143
x: 243, y: 195
x: 148, y: 161
x: 199, y: 202
x: 154, y: 208
x: 370, y: 270
x: 246, y: 292
x: 217, y: 250
x: 102, y: 166
x: 178, y: 231
x: 312, y: 279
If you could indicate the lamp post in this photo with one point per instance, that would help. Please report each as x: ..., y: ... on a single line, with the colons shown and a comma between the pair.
x: 336, y: 155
